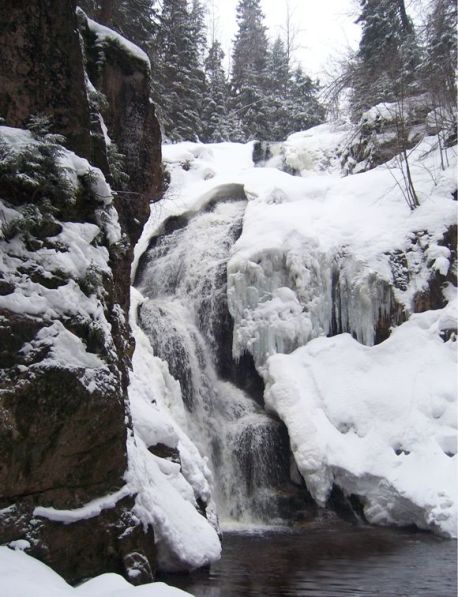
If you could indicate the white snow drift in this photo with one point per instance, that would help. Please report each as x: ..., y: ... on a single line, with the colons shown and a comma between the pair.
x: 22, y: 576
x: 379, y: 421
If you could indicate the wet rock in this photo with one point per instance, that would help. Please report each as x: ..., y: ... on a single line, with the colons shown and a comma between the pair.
x: 433, y: 296
x: 76, y: 550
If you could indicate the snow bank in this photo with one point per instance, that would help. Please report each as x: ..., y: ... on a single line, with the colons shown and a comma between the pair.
x: 22, y: 576
x: 380, y: 422
x: 332, y: 241
x: 105, y: 35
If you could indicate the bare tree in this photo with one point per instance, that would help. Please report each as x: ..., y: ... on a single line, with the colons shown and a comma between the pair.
x: 291, y: 32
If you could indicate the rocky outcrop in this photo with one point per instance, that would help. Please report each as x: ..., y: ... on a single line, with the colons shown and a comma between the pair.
x: 65, y: 254
x: 384, y: 131
x: 41, y: 70
x: 121, y: 74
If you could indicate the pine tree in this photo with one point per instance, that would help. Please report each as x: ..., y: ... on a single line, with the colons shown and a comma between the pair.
x: 215, y: 109
x: 198, y: 26
x: 249, y: 70
x: 441, y: 55
x: 304, y: 107
x: 387, y: 55
x: 180, y: 74
x: 278, y: 89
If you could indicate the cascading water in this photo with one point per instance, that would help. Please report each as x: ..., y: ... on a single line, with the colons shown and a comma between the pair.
x: 183, y: 276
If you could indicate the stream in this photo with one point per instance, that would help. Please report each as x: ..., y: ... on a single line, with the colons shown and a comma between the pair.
x: 328, y: 558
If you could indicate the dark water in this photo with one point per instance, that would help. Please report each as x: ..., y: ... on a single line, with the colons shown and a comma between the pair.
x: 329, y: 560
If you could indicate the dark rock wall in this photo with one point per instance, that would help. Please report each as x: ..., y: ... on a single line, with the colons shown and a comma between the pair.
x: 125, y: 82
x: 41, y: 68
x: 62, y: 439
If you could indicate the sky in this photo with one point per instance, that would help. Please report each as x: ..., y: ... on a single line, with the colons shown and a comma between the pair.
x: 326, y: 28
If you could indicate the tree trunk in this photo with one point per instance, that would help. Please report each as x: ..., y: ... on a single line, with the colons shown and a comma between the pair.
x: 406, y: 23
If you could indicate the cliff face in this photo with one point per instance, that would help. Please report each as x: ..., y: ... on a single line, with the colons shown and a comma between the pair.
x: 65, y: 250
x: 120, y: 72
x: 41, y: 70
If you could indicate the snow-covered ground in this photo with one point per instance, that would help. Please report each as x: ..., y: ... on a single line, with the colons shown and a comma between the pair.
x: 379, y: 421
x: 23, y: 576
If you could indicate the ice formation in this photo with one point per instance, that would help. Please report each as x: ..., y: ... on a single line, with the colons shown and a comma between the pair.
x: 320, y: 259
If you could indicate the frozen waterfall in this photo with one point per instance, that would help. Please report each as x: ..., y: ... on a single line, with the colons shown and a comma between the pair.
x: 183, y: 277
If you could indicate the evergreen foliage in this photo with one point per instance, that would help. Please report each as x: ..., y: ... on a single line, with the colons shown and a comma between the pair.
x: 388, y: 54
x: 263, y: 99
x: 441, y: 55
x: 304, y: 108
x: 249, y: 81
x: 181, y: 77
x: 134, y: 19
x: 215, y: 109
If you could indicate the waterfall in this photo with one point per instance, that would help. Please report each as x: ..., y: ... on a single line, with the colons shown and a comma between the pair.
x: 183, y: 277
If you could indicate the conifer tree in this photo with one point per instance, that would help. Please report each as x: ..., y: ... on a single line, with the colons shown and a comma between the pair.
x: 134, y: 19
x: 278, y: 89
x: 215, y: 110
x: 292, y: 96
x: 181, y: 79
x: 249, y: 70
x: 441, y: 56
x: 304, y: 107
x: 387, y: 55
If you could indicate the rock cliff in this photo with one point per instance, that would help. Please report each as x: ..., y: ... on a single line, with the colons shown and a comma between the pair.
x: 65, y: 253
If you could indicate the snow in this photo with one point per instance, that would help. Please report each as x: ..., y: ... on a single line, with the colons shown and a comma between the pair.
x: 299, y: 232
x: 198, y: 174
x: 68, y: 261
x: 89, y: 510
x: 22, y: 576
x: 167, y: 492
x: 64, y: 348
x: 104, y: 35
x: 378, y: 421
x: 315, y: 149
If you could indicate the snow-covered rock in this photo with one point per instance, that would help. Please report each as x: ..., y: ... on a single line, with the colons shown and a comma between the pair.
x: 22, y: 575
x: 380, y: 422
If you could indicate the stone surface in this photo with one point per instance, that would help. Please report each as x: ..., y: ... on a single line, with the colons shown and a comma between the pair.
x: 128, y: 112
x: 76, y: 550
x: 63, y: 426
x: 41, y: 68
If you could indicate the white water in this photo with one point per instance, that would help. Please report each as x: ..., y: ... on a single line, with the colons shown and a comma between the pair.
x: 184, y: 276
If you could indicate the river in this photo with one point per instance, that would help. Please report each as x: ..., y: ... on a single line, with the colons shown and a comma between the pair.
x: 327, y: 559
